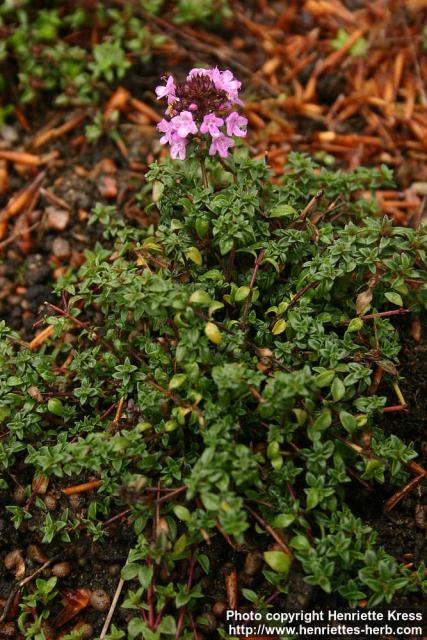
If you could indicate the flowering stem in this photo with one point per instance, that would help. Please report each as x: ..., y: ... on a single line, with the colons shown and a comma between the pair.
x: 251, y: 286
x: 230, y: 263
x: 204, y: 174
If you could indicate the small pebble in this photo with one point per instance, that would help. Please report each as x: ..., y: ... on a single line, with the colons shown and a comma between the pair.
x: 50, y: 502
x: 114, y: 569
x: 253, y: 563
x: 15, y: 562
x: 100, y: 600
x: 75, y: 501
x: 61, y: 569
x: 107, y: 187
x: 9, y: 133
x: 19, y: 495
x: 36, y: 554
x: 37, y: 271
x: 8, y: 630
x: 61, y: 248
x: 12, y: 559
x: 57, y: 219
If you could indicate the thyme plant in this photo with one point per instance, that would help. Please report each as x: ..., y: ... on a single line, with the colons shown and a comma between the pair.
x: 239, y: 335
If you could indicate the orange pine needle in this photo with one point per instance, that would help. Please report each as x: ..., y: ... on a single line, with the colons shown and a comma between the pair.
x: 41, y: 337
x: 21, y: 157
x: 82, y: 488
x: 119, y: 411
x: 117, y: 102
x: 145, y: 110
x: 4, y: 178
x: 19, y: 201
x: 43, y: 137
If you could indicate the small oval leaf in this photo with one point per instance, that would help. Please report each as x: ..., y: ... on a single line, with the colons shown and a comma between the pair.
x: 213, y: 333
x: 278, y: 560
x: 395, y: 298
x: 195, y: 256
x: 279, y: 327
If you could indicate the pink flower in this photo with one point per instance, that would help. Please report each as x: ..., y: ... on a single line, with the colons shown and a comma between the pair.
x: 223, y: 81
x: 201, y: 103
x: 210, y: 125
x: 168, y: 129
x: 184, y: 124
x: 178, y: 149
x: 220, y: 146
x: 234, y: 121
x: 167, y: 91
x: 229, y: 84
x: 199, y: 72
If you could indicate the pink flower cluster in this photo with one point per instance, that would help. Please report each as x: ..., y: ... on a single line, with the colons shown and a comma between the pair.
x: 203, y: 104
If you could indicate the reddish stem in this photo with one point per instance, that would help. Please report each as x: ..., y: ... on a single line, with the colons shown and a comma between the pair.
x: 150, y: 602
x: 395, y: 407
x: 189, y: 583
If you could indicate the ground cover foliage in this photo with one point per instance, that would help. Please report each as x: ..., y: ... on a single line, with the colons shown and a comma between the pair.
x: 52, y: 48
x: 238, y: 336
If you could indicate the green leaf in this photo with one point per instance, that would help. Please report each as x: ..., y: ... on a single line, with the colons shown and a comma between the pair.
x: 167, y: 626
x: 313, y: 497
x: 213, y: 333
x: 182, y: 599
x: 177, y: 380
x: 158, y: 188
x: 324, y: 379
x: 273, y: 449
x: 249, y: 595
x: 55, y: 406
x: 215, y: 306
x: 300, y: 543
x: 395, y: 298
x: 283, y: 520
x: 202, y: 227
x: 211, y: 501
x: 180, y: 544
x: 225, y: 245
x: 201, y: 298
x: 278, y: 560
x: 338, y: 389
x: 195, y: 256
x: 170, y: 425
x: 242, y: 293
x: 182, y: 513
x: 348, y: 421
x: 279, y: 327
x: 204, y: 562
x: 355, y: 325
x: 283, y: 210
x: 145, y: 575
x: 277, y: 462
x: 323, y: 421
x: 130, y: 571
